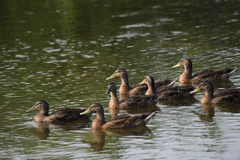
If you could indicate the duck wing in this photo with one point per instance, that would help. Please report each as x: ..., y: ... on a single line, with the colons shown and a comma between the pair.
x: 138, y: 89
x: 227, y: 96
x: 67, y: 115
x: 137, y: 102
x: 163, y: 83
x: 128, y: 121
x: 178, y: 92
x: 213, y: 74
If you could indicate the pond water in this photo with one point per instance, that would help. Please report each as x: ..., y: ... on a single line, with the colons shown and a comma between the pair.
x: 62, y: 52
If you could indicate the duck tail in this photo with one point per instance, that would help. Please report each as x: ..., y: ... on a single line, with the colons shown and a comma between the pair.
x: 173, y: 82
x: 233, y: 71
x: 147, y: 119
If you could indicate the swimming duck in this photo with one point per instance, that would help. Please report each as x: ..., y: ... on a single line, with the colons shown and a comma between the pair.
x: 169, y: 92
x: 205, y: 75
x: 136, y: 89
x: 118, y: 122
x: 225, y: 96
x: 59, y: 116
x: 130, y: 102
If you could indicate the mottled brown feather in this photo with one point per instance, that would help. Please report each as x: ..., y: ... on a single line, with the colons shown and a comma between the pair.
x: 136, y: 89
x: 131, y: 102
x: 225, y: 96
x: 59, y: 116
x: 168, y: 92
x: 118, y: 122
x: 212, y: 75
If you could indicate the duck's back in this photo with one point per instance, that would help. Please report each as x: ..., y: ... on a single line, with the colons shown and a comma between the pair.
x: 227, y: 96
x: 141, y: 89
x: 66, y: 115
x: 137, y: 102
x: 126, y: 121
x: 212, y: 75
x: 178, y: 92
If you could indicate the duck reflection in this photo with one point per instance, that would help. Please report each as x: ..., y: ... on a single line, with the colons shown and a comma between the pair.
x: 209, y: 110
x: 101, y: 135
x: 232, y: 107
x: 209, y: 113
x: 138, y: 131
x: 42, y: 131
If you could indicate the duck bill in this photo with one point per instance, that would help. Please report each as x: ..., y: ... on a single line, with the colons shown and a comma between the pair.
x: 196, y: 90
x: 86, y: 112
x: 108, y: 91
x: 142, y: 83
x: 31, y: 109
x: 177, y: 65
x: 111, y: 77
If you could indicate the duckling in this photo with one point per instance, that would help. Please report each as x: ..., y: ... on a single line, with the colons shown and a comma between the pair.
x: 59, y: 116
x: 118, y: 122
x: 136, y: 89
x: 205, y: 75
x: 225, y: 96
x: 130, y: 102
x: 169, y: 92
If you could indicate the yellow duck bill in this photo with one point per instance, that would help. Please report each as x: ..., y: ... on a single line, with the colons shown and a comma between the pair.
x: 111, y: 77
x: 86, y: 112
x: 177, y: 65
x: 196, y: 90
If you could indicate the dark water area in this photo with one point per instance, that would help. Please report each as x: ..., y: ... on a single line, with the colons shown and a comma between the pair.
x: 63, y: 51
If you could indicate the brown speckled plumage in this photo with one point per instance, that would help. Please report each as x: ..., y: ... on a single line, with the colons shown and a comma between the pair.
x: 225, y: 96
x: 168, y: 92
x: 118, y: 122
x: 131, y: 102
x: 59, y: 116
x: 212, y: 75
x: 136, y: 89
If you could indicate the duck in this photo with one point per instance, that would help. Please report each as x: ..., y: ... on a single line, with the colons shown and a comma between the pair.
x: 136, y: 89
x: 211, y: 75
x: 170, y: 92
x: 118, y: 122
x: 59, y: 116
x: 132, y: 102
x: 223, y: 97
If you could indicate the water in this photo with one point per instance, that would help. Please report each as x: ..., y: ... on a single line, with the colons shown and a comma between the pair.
x: 62, y: 51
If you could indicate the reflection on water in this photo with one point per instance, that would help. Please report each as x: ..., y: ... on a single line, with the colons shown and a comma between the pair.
x: 42, y: 131
x: 62, y: 51
x: 232, y: 108
x: 100, y: 135
x: 209, y: 113
x: 209, y: 110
